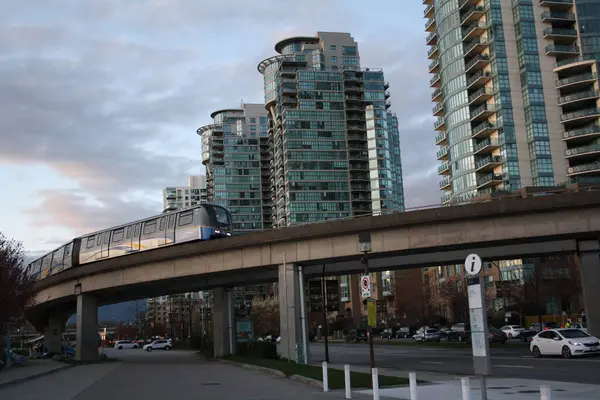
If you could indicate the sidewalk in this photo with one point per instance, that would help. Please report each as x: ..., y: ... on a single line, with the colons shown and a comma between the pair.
x: 32, y: 369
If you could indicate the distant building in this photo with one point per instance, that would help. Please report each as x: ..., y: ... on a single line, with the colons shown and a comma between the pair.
x: 179, y: 197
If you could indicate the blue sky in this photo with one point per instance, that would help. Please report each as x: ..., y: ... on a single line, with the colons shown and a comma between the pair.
x: 100, y: 100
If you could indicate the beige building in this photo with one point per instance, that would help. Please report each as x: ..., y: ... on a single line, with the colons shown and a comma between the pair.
x: 179, y: 197
x: 515, y: 88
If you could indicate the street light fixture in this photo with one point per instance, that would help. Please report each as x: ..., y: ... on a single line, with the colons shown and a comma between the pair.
x: 364, y: 241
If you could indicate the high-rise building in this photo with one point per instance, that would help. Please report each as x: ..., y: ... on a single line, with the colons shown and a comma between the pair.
x: 185, y: 196
x: 235, y: 152
x: 334, y: 144
x: 516, y: 93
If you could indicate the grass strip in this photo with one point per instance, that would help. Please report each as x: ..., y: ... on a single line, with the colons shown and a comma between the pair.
x: 336, y: 376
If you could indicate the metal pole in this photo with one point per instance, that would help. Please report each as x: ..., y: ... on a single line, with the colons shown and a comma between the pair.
x: 369, y: 329
x: 483, y: 388
x: 324, y: 302
x: 347, y: 382
x: 303, y: 314
x: 412, y: 378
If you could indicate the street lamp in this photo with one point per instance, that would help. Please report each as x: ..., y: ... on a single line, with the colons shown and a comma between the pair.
x: 364, y: 240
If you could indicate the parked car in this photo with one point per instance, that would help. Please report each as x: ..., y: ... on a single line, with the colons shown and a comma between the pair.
x: 387, y: 333
x: 545, y: 326
x: 512, y: 331
x: 427, y: 335
x: 460, y: 332
x: 404, y: 332
x: 496, y: 336
x: 580, y: 326
x: 125, y: 344
x: 356, y: 336
x: 567, y: 342
x: 164, y: 344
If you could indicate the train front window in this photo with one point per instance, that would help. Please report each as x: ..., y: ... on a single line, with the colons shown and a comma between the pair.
x: 221, y: 216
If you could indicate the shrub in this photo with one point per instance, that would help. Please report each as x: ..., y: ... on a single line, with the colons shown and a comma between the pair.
x: 257, y: 350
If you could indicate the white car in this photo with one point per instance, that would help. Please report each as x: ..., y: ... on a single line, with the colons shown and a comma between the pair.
x: 512, y: 331
x: 158, y: 344
x: 125, y: 344
x: 567, y: 342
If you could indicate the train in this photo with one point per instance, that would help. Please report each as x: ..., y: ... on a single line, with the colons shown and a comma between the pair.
x: 203, y: 222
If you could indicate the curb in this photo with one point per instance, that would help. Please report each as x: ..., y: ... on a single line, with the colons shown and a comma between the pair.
x: 271, y: 371
x: 308, y: 381
x: 38, y: 375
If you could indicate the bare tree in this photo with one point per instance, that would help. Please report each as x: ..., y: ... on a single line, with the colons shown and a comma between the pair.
x: 265, y: 315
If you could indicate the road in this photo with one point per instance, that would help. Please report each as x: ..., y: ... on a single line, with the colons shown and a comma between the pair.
x: 506, y: 363
x: 161, y: 375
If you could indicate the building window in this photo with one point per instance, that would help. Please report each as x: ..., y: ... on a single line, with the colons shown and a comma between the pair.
x: 334, y: 59
x: 332, y: 47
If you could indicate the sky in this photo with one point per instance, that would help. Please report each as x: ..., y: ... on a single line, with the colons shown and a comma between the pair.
x: 100, y: 99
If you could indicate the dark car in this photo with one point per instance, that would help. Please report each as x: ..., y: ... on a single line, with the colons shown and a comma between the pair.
x: 356, y: 336
x: 497, y: 336
x: 387, y: 333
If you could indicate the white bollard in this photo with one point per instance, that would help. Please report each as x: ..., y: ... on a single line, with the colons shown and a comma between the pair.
x: 546, y: 392
x: 347, y: 381
x: 412, y: 378
x: 375, y: 380
x: 466, y: 388
x: 325, y: 378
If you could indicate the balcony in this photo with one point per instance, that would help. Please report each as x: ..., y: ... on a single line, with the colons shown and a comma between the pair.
x: 580, y: 79
x: 482, y: 112
x: 479, y: 79
x: 387, y: 94
x: 477, y: 63
x: 488, y: 163
x: 427, y: 2
x: 433, y: 52
x: 171, y: 195
x: 560, y: 34
x: 557, y: 17
x: 430, y: 25
x: 464, y: 4
x: 440, y: 124
x: 483, y: 130
x: 557, y: 4
x: 583, y: 134
x: 446, y: 197
x: 486, y: 147
x: 436, y: 95
x: 578, y: 97
x: 574, y: 62
x: 388, y: 104
x: 474, y: 30
x: 587, y: 115
x: 489, y: 180
x: 386, y: 85
x: 431, y: 39
x: 444, y: 168
x: 558, y: 50
x: 442, y: 153
x: 590, y: 151
x: 481, y: 96
x: 445, y: 182
x: 590, y: 168
x: 472, y: 14
x: 475, y: 47
x: 435, y: 81
x: 429, y: 11
x: 438, y: 110
x: 434, y: 66
x: 441, y: 139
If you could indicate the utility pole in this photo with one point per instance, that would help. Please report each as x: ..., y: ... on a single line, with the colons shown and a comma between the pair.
x: 364, y: 239
x: 325, y: 325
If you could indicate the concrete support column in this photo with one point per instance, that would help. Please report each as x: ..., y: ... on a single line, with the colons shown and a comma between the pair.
x: 290, y: 318
x: 53, y: 334
x: 223, y: 322
x: 589, y: 257
x: 87, y: 328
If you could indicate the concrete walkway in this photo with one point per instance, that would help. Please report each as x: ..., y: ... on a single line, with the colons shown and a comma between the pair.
x: 32, y: 369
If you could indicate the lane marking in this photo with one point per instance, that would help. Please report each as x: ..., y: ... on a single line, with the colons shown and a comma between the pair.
x: 513, y: 366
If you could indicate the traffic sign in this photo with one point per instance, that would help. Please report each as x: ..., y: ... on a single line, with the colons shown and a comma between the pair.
x: 365, y: 286
x: 473, y: 264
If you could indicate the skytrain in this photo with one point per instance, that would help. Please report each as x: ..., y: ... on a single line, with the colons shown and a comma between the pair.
x: 202, y: 222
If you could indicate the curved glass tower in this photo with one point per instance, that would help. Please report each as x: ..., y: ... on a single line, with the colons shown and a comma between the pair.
x: 328, y: 128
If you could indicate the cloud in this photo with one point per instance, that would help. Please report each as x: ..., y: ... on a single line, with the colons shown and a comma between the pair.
x: 110, y: 94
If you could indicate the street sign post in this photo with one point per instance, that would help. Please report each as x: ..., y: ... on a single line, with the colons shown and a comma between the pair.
x: 372, y: 313
x: 365, y: 286
x: 478, y: 320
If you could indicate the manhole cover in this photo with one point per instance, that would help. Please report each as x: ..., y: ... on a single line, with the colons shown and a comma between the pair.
x: 529, y: 391
x: 500, y: 387
x: 211, y: 384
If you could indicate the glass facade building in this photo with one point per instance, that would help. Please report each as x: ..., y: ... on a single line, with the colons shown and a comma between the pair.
x: 235, y: 152
x: 516, y: 93
x: 330, y: 132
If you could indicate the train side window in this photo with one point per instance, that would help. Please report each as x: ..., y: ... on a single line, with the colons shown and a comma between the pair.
x: 98, y: 240
x: 171, y: 221
x: 118, y: 235
x: 136, y: 231
x: 106, y: 236
x: 128, y: 235
x: 185, y: 218
x: 150, y: 227
x: 68, y: 250
x: 90, y: 242
x: 161, y: 226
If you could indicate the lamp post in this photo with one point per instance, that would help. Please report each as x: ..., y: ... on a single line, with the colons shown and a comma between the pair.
x: 364, y: 240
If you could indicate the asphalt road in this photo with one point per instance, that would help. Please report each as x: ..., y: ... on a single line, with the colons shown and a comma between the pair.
x: 161, y: 375
x: 506, y: 363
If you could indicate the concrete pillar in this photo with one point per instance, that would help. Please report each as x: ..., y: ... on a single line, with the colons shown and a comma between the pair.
x: 87, y: 328
x: 290, y: 320
x: 224, y: 330
x: 53, y: 334
x: 589, y: 257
